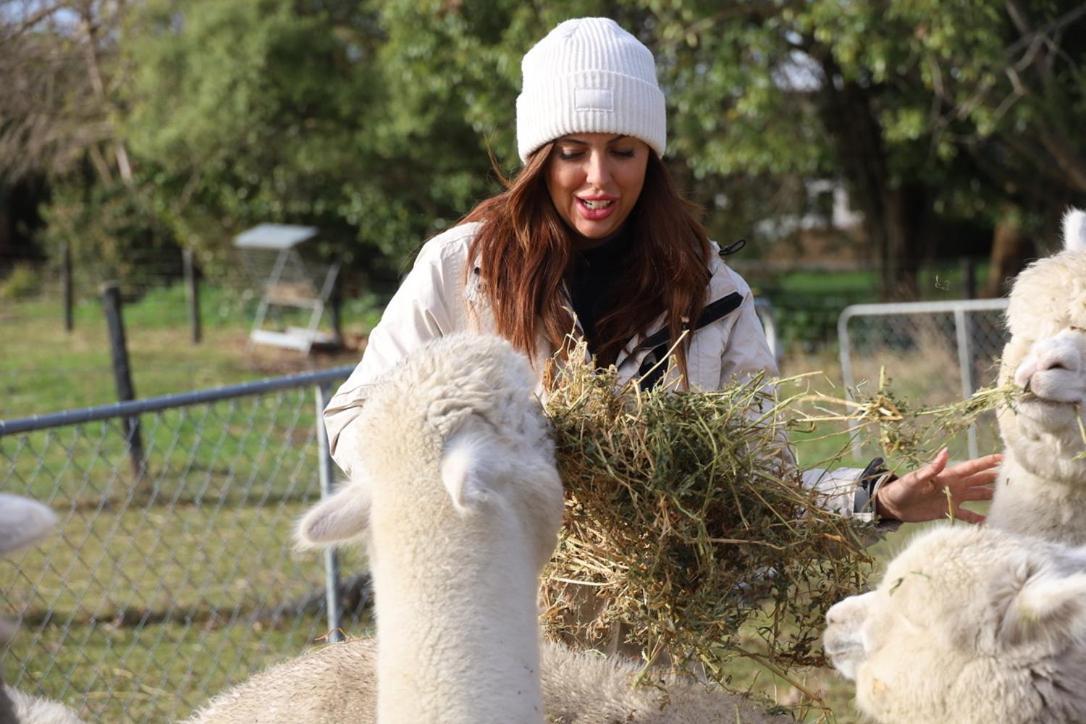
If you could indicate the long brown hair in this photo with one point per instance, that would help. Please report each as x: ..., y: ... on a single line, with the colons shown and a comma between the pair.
x: 523, y: 249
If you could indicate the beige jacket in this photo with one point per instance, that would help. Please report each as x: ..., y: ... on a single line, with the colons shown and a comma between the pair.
x: 436, y: 298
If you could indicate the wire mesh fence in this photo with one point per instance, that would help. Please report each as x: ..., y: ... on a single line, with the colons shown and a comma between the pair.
x: 171, y: 575
x: 929, y: 353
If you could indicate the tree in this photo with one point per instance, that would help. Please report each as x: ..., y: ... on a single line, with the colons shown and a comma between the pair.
x: 374, y: 119
x: 919, y: 106
x: 59, y: 111
x: 242, y: 113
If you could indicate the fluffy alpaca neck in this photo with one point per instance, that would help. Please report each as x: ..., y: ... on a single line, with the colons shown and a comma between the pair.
x: 457, y: 632
x: 1039, y: 505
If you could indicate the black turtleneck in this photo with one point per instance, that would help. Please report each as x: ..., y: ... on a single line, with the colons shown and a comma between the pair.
x: 591, y: 280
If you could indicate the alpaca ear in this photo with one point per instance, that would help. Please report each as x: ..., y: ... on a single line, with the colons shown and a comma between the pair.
x: 1049, y: 607
x: 468, y: 470
x: 1074, y: 230
x: 341, y: 517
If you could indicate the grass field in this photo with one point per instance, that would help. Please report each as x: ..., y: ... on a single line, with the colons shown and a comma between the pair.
x: 156, y: 593
x: 146, y: 623
x: 45, y: 369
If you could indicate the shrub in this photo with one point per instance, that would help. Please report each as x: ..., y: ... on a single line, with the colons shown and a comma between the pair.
x: 23, y: 282
x: 113, y: 234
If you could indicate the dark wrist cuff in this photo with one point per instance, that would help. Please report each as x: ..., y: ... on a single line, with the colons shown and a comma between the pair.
x: 873, y: 477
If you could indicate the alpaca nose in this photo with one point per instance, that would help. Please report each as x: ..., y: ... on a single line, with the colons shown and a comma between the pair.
x: 1056, y: 359
x: 847, y: 609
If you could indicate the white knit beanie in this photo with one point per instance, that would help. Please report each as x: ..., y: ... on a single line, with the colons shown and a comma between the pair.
x: 589, y: 76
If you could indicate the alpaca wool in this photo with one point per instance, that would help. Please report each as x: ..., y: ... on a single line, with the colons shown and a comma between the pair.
x: 588, y: 75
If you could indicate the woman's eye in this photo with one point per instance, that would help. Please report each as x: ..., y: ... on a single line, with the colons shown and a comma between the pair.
x: 568, y: 154
x: 623, y: 152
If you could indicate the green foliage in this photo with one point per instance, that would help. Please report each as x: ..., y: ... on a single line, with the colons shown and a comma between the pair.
x: 376, y: 119
x: 249, y: 112
x: 112, y: 233
x: 21, y: 283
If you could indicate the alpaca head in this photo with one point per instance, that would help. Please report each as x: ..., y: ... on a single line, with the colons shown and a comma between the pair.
x: 1046, y: 357
x: 23, y: 521
x: 962, y: 614
x: 454, y: 436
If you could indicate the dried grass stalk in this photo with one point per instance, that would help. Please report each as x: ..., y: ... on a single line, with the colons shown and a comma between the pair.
x: 686, y: 521
x: 906, y: 432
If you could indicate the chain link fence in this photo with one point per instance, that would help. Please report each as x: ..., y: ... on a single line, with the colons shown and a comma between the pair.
x: 930, y: 353
x: 171, y: 574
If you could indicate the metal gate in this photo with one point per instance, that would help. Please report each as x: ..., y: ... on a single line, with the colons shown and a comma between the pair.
x: 934, y: 352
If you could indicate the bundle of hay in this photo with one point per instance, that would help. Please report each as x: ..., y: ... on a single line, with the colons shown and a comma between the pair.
x: 687, y: 525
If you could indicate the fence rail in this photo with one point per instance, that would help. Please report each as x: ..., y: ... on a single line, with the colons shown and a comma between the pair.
x: 168, y: 582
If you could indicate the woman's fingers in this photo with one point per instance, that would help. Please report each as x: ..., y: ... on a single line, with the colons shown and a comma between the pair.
x: 929, y: 471
x: 985, y: 477
x: 968, y: 516
x: 988, y: 463
x: 923, y: 493
x: 979, y: 471
x: 978, y: 492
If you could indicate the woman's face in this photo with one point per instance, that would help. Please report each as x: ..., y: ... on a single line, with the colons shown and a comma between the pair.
x: 594, y: 180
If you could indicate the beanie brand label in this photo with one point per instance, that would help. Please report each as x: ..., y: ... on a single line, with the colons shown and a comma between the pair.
x: 594, y: 99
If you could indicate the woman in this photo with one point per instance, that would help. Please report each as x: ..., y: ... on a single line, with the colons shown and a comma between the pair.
x: 591, y: 237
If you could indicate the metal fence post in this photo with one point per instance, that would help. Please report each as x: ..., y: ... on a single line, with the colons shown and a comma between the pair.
x: 122, y: 373
x: 764, y: 310
x: 66, y: 287
x: 965, y: 368
x: 845, y: 356
x: 331, y: 559
x: 192, y: 292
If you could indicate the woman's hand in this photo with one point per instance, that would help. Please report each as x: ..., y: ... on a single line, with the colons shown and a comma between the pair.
x: 936, y: 491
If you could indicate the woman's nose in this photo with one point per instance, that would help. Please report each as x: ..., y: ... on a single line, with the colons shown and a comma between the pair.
x: 598, y: 172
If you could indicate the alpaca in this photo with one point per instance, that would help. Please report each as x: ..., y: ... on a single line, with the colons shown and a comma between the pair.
x: 969, y: 624
x: 459, y: 503
x: 1041, y: 488
x: 335, y: 683
x: 22, y: 523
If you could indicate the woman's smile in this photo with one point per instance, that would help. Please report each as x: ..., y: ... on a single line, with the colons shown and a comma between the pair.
x: 595, y: 179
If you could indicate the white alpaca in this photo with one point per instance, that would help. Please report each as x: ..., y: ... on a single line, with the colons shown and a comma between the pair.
x: 22, y: 523
x: 1042, y: 483
x: 459, y: 503
x: 969, y: 624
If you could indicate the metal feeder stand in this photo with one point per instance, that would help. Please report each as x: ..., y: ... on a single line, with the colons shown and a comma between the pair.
x: 270, y: 255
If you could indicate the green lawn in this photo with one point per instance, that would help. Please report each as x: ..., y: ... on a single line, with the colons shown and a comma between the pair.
x: 941, y: 281
x: 45, y: 369
x: 160, y: 608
